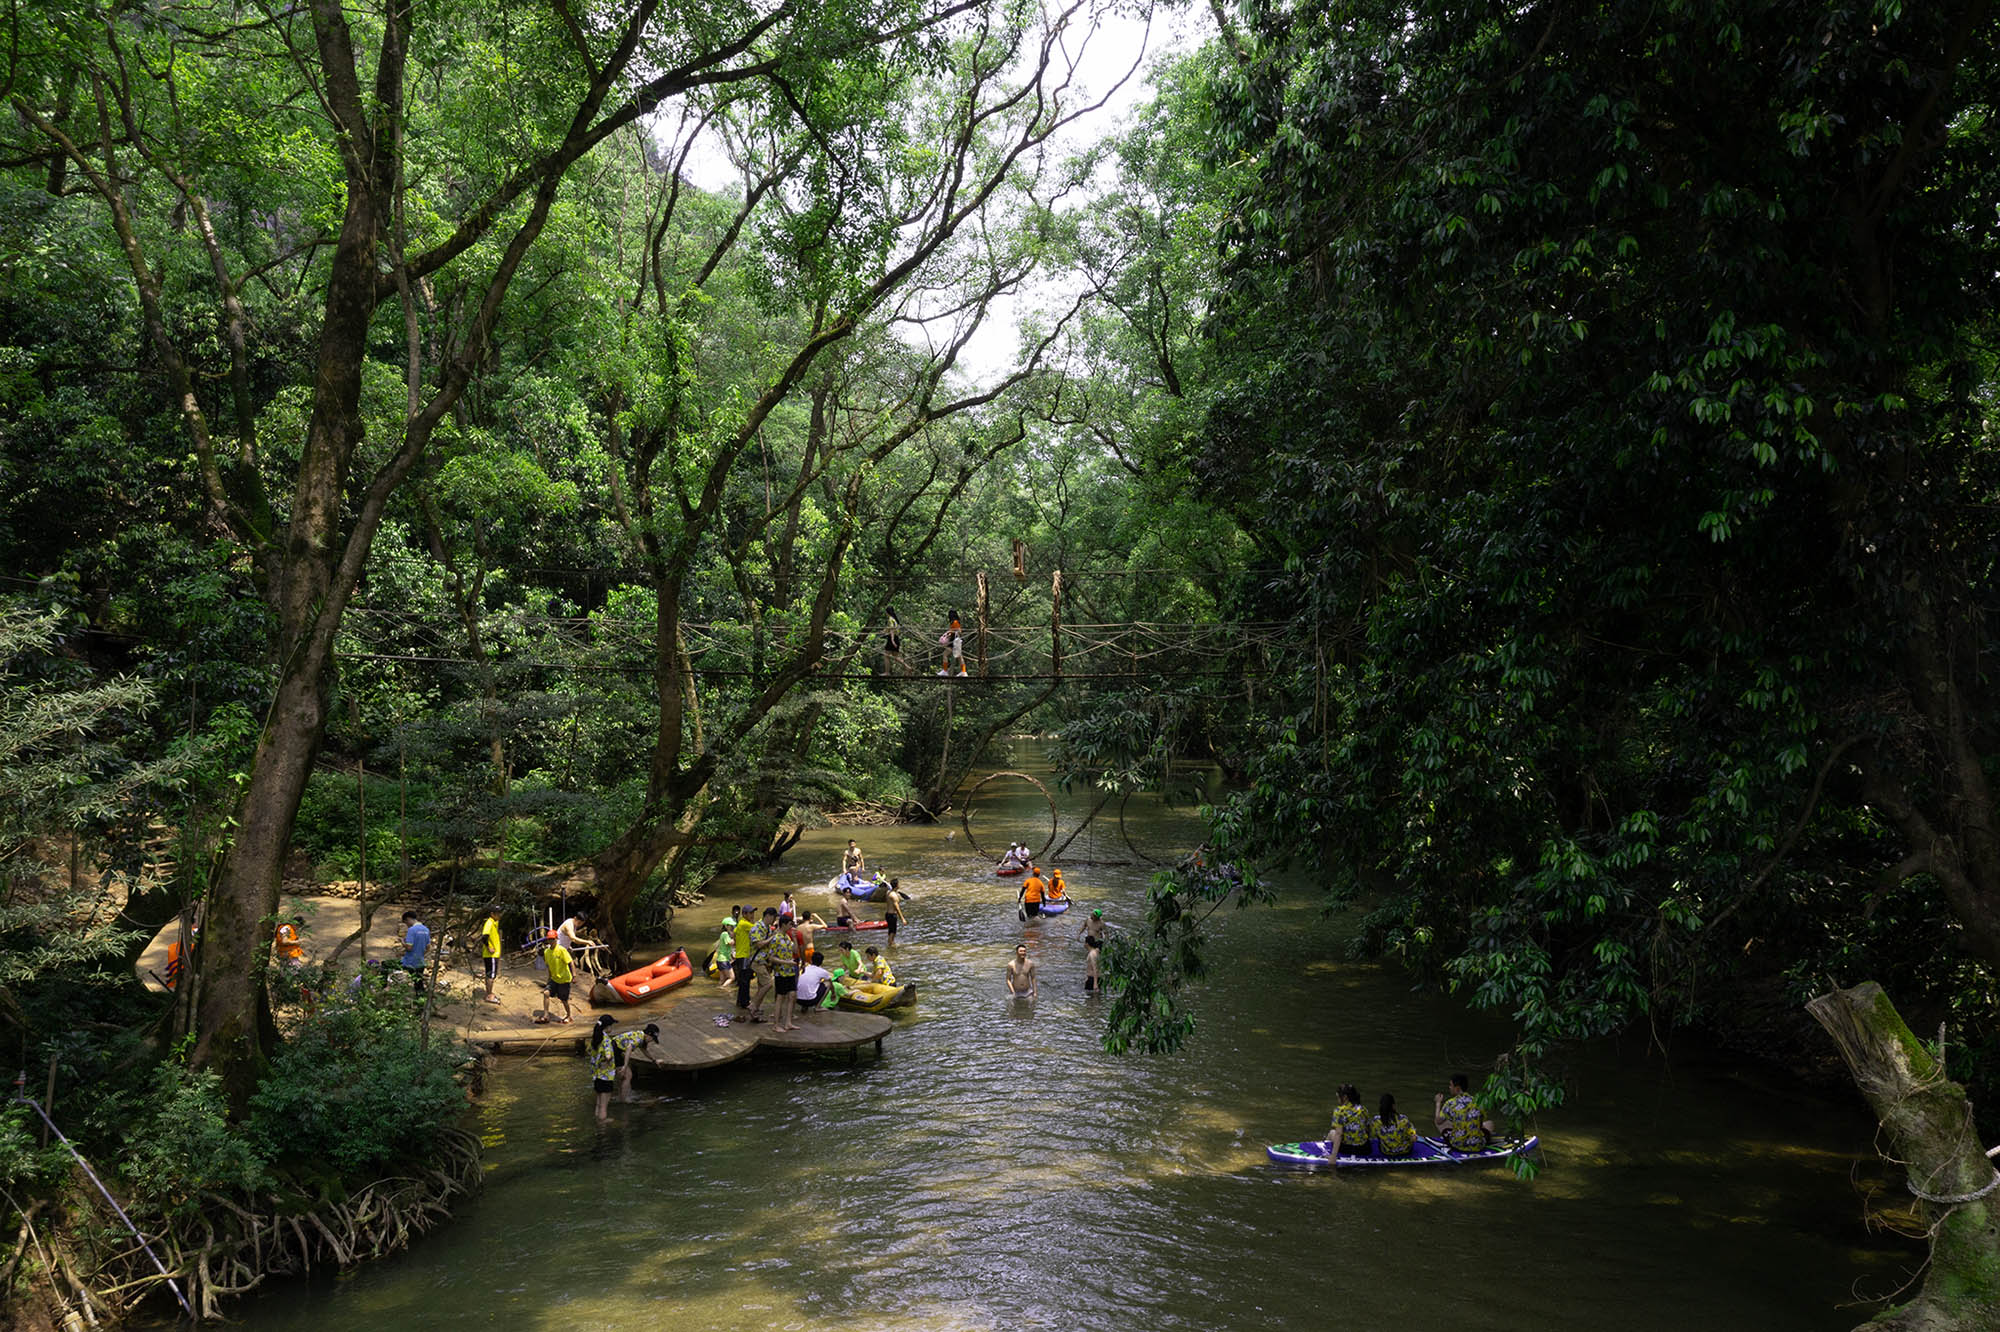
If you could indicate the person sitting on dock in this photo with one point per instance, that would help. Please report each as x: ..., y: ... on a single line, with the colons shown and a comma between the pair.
x: 1460, y: 1122
x: 629, y: 1045
x: 1021, y: 974
x: 813, y: 980
x: 1032, y: 888
x: 1393, y: 1133
x: 1351, y: 1127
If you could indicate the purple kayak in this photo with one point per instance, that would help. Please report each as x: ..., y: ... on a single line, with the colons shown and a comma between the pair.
x: 1427, y: 1152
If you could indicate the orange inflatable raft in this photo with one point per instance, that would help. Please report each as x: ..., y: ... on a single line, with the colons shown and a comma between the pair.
x: 669, y: 973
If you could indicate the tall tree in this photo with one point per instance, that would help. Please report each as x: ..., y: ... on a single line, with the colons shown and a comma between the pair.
x: 150, y: 115
x: 1614, y: 382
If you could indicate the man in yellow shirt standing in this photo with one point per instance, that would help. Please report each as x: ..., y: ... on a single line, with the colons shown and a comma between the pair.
x: 489, y: 950
x: 562, y: 970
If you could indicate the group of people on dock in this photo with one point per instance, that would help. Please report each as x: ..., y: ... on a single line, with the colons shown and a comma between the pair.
x: 776, y: 955
x: 1461, y: 1124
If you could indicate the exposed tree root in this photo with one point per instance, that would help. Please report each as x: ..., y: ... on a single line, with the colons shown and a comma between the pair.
x: 230, y: 1245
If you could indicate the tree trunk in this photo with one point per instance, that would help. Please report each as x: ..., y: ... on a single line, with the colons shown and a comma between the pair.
x: 1930, y: 1131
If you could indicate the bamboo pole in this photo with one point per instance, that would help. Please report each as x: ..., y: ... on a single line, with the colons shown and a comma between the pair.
x: 983, y: 603
x: 1055, y: 623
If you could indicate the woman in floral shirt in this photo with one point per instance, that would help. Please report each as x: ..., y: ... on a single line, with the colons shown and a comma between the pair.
x: 1393, y: 1132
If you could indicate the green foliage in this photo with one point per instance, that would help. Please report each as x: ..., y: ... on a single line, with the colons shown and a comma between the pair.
x: 1623, y: 472
x: 185, y: 1148
x: 354, y: 1089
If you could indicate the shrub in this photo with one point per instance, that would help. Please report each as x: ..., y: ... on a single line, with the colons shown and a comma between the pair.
x: 352, y: 1090
x: 186, y: 1148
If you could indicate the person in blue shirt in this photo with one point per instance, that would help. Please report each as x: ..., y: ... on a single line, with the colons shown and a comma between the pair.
x: 416, y: 943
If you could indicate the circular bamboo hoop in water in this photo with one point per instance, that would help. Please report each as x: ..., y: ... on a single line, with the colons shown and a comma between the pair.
x: 965, y: 812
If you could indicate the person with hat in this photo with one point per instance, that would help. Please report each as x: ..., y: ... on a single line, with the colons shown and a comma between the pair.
x: 1092, y: 935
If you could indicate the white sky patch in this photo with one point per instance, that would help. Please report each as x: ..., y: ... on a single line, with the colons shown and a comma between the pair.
x: 1116, y: 45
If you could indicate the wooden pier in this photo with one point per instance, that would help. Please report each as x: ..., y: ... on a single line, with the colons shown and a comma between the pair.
x: 690, y: 1040
x: 821, y: 1030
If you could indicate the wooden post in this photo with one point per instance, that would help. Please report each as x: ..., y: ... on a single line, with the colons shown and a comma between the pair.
x: 361, y: 812
x: 49, y: 1099
x: 1055, y: 622
x: 983, y: 603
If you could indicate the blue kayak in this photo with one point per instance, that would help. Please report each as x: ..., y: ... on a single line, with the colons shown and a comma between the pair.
x: 1427, y: 1152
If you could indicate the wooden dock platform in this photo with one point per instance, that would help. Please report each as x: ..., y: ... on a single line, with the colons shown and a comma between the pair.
x: 690, y: 1041
x: 822, y: 1030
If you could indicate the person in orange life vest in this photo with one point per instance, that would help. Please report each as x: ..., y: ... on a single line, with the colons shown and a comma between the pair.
x: 291, y: 949
x: 1032, y: 888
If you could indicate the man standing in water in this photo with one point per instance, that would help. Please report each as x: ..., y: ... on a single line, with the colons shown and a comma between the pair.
x: 852, y: 861
x: 1021, y: 974
x: 1092, y: 935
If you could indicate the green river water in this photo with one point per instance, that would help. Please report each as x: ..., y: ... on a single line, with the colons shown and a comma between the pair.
x: 994, y: 1169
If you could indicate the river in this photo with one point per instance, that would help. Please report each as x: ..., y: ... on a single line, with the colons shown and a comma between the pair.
x: 994, y: 1169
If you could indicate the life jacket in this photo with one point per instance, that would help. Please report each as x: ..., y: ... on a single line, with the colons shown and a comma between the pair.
x: 1031, y: 891
x: 173, y: 977
x: 289, y: 946
x: 1056, y: 889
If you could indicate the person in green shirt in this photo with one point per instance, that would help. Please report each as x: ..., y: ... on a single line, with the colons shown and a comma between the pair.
x: 725, y: 949
x: 562, y: 970
x: 489, y: 950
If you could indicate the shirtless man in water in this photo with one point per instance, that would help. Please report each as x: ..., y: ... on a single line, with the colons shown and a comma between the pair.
x: 1021, y: 974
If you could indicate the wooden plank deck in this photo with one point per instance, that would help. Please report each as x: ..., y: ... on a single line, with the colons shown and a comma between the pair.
x: 689, y: 1039
x: 822, y: 1030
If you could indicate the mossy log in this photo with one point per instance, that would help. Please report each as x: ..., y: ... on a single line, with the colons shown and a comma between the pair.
x: 1929, y: 1128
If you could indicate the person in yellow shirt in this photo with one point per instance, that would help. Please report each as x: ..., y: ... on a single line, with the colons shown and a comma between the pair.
x: 489, y: 950
x: 562, y: 970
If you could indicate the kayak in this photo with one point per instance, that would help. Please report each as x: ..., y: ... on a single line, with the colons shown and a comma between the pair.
x: 868, y: 892
x: 669, y: 973
x: 860, y: 889
x: 1427, y: 1152
x: 1013, y: 873
x: 868, y: 997
x: 1054, y: 906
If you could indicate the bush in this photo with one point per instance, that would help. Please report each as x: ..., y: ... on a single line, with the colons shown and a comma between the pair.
x: 352, y: 1090
x: 186, y: 1147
